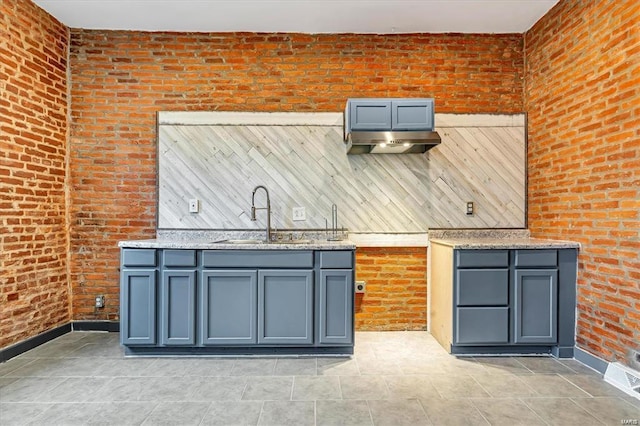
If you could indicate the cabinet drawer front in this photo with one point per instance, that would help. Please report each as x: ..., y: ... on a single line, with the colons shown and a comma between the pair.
x: 257, y: 259
x: 527, y: 258
x: 483, y: 287
x: 179, y: 258
x: 482, y: 258
x: 138, y: 257
x: 335, y: 259
x: 482, y: 325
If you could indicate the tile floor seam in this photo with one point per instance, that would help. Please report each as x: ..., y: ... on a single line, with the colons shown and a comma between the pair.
x: 535, y: 412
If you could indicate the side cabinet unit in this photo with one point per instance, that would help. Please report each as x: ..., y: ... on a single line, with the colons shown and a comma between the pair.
x: 335, y: 294
x: 138, y: 297
x: 514, y: 301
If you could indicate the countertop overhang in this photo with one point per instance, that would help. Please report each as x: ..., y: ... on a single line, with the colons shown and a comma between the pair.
x: 161, y: 243
x: 504, y: 243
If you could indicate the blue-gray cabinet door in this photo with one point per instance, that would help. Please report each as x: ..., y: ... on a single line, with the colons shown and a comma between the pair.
x: 138, y: 307
x: 228, y: 306
x: 536, y: 306
x: 285, y: 307
x: 178, y: 307
x: 370, y: 114
x: 335, y: 306
x: 412, y: 114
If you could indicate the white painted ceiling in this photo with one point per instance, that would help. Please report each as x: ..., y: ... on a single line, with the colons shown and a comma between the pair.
x: 302, y: 16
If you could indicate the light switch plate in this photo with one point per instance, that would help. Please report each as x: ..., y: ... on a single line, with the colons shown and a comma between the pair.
x: 194, y: 205
x: 299, y: 214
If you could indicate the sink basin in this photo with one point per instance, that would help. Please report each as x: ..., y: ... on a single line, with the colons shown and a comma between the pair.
x: 290, y: 242
x: 240, y: 242
x: 248, y: 241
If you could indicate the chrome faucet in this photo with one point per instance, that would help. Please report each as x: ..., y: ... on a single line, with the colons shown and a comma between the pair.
x: 267, y: 208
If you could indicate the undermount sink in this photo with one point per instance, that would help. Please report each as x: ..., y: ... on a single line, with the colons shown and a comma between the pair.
x: 249, y: 241
x: 290, y: 242
x: 240, y: 242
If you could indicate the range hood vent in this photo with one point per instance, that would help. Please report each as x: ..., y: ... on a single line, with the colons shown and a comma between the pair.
x: 394, y: 142
x: 390, y: 126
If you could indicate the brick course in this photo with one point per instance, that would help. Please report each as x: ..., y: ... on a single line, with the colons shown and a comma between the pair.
x: 34, y: 291
x: 583, y: 101
x: 396, y: 288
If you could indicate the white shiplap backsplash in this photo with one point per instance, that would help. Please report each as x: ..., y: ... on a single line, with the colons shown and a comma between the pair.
x: 303, y: 162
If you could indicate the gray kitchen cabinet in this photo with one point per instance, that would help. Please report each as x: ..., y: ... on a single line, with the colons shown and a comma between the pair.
x: 492, y: 309
x: 237, y: 301
x: 536, y: 306
x: 285, y: 307
x: 138, y: 297
x: 503, y: 300
x: 384, y: 114
x: 178, y: 307
x: 335, y: 305
x: 228, y: 307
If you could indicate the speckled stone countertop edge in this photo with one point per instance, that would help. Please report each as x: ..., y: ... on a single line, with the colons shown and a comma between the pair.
x: 213, y: 245
x: 506, y: 243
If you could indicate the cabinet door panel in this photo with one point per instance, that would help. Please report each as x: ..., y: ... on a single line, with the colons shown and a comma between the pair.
x: 482, y: 325
x: 228, y: 304
x: 412, y: 114
x: 536, y: 306
x: 370, y: 114
x: 178, y: 310
x: 138, y: 307
x: 336, y: 307
x: 285, y: 311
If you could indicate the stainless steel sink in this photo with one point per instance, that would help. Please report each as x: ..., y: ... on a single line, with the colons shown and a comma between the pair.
x: 285, y: 241
x: 249, y: 241
x: 240, y: 242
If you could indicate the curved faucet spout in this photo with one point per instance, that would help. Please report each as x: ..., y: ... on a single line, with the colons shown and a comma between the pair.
x: 267, y: 208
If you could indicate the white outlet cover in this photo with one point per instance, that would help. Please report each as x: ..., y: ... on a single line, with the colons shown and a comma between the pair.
x: 194, y: 205
x: 299, y: 214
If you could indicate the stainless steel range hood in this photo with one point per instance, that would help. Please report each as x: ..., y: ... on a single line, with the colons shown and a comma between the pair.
x: 391, y: 142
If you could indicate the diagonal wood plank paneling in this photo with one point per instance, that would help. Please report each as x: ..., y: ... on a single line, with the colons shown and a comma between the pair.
x: 307, y: 166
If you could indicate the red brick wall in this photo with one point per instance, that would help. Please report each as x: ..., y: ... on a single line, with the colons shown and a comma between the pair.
x: 34, y: 294
x: 120, y: 79
x: 396, y: 288
x: 583, y: 99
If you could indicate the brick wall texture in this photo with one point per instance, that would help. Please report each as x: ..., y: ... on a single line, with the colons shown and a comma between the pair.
x: 34, y: 286
x: 583, y: 100
x: 396, y: 288
x: 120, y: 79
x: 575, y: 72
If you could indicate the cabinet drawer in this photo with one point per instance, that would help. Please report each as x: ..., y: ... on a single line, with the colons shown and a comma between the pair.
x: 483, y: 287
x: 257, y: 259
x: 335, y: 259
x: 482, y: 258
x: 528, y: 258
x: 482, y: 325
x: 179, y: 258
x: 138, y: 257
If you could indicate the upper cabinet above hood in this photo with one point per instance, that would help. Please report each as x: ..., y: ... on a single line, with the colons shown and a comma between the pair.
x: 390, y: 126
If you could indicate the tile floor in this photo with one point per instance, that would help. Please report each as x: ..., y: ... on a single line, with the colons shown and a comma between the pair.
x: 395, y: 378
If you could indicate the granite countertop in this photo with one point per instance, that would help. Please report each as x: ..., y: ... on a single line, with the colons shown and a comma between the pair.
x: 504, y: 243
x: 161, y: 243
